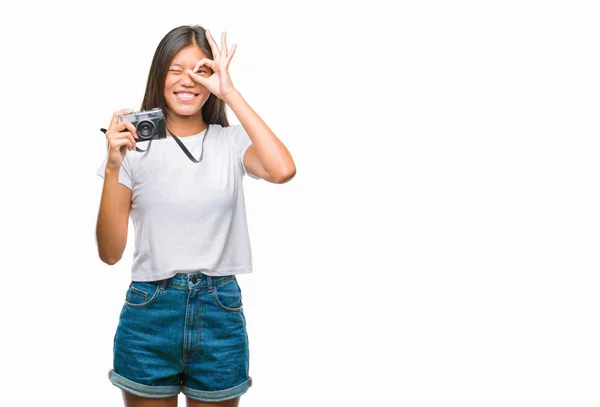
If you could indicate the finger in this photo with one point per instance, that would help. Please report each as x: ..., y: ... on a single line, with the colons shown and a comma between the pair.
x: 224, y: 44
x: 233, y: 48
x: 124, y: 125
x: 117, y: 114
x: 213, y: 45
x: 195, y: 77
x: 131, y: 140
x: 118, y: 143
x: 130, y: 144
x: 125, y: 135
x: 117, y: 138
x: 120, y: 126
x: 209, y: 63
x: 122, y: 135
x: 129, y: 126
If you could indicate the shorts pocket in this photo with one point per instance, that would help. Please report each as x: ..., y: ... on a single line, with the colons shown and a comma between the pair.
x: 228, y: 296
x: 141, y: 294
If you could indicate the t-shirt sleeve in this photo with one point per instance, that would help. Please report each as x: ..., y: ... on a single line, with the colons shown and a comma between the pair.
x: 124, y: 172
x: 241, y: 142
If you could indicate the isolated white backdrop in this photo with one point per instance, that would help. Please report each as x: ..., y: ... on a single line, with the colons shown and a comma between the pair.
x: 437, y: 247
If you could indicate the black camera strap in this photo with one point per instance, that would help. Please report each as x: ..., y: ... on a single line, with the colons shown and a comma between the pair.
x: 181, y: 145
x: 185, y: 150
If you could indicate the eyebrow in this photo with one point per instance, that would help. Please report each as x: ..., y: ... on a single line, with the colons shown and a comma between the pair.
x: 181, y: 66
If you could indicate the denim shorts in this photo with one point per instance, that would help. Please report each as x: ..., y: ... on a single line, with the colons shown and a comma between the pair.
x: 185, y: 333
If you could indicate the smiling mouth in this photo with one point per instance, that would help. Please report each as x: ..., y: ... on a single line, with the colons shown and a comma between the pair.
x: 185, y: 95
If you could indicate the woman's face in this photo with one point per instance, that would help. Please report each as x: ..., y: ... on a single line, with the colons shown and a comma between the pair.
x: 185, y: 97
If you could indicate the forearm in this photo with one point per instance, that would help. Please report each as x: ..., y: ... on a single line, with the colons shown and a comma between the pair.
x: 274, y: 156
x: 111, y: 234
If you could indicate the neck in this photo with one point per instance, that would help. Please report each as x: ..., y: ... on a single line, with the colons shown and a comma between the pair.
x: 185, y: 126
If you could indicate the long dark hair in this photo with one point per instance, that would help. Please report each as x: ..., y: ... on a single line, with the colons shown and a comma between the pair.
x: 213, y: 111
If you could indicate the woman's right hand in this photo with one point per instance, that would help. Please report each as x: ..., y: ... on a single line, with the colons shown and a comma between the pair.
x: 121, y: 137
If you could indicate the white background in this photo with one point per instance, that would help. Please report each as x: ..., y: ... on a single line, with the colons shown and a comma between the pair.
x: 438, y: 245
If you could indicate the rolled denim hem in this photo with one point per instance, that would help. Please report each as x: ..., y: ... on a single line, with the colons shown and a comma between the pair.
x: 219, y: 395
x: 142, y: 390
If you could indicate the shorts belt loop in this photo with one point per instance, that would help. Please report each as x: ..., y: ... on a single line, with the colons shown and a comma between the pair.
x: 163, y: 284
x: 210, y: 283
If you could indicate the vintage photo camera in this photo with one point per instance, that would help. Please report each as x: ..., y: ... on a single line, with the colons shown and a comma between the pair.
x: 150, y: 124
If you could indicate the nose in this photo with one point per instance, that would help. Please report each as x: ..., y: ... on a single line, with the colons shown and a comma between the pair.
x: 186, y: 80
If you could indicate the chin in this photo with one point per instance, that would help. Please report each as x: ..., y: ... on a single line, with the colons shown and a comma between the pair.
x: 185, y: 110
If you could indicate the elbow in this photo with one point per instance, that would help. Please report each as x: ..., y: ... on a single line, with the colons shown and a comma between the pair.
x: 286, y: 175
x: 110, y: 260
x: 110, y: 250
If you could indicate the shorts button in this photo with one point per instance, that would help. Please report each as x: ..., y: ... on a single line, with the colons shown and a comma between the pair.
x: 194, y: 279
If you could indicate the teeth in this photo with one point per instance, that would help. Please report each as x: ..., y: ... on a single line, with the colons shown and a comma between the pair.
x: 185, y: 95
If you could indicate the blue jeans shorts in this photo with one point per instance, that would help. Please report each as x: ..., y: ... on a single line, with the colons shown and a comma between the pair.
x: 185, y: 333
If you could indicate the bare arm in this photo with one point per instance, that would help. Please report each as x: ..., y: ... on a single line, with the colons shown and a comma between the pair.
x: 113, y: 218
x: 267, y: 157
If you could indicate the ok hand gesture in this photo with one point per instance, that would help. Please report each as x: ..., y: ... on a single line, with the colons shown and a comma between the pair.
x: 219, y: 83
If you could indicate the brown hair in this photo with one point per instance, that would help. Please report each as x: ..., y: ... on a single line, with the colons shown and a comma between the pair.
x: 213, y: 110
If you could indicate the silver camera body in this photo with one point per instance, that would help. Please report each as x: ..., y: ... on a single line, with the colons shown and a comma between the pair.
x: 149, y: 124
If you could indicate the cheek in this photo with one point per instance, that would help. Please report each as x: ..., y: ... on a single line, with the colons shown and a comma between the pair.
x: 169, y: 82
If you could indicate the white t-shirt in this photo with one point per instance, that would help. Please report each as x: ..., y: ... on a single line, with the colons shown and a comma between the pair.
x: 188, y: 217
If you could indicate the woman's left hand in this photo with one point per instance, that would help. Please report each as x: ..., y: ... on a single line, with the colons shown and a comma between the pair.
x: 219, y: 83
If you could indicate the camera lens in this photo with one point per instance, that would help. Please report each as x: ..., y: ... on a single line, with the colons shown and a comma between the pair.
x: 145, y: 129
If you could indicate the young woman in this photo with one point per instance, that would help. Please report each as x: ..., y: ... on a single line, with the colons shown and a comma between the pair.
x: 182, y: 326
